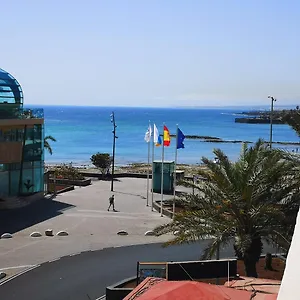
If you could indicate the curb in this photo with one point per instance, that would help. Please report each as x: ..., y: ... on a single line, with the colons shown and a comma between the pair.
x: 18, y: 274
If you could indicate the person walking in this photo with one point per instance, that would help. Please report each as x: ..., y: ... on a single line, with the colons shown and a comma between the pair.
x: 111, y: 202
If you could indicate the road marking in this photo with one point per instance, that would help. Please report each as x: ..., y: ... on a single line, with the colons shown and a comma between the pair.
x: 19, y: 274
x: 17, y: 267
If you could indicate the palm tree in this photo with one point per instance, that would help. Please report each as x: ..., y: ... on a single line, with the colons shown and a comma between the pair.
x: 292, y: 118
x: 240, y: 201
x: 46, y: 143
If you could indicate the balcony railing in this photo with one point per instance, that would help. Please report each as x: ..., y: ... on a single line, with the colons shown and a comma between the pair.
x: 21, y: 113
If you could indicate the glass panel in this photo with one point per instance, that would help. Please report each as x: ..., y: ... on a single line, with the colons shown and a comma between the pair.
x: 15, y: 166
x: 7, y: 135
x: 14, y: 182
x: 37, y: 132
x: 38, y: 180
x: 27, y: 181
x: 33, y: 152
x: 20, y: 135
x: 4, y: 184
x: 29, y: 135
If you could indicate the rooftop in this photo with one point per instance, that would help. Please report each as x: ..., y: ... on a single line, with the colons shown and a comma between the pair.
x: 10, y: 89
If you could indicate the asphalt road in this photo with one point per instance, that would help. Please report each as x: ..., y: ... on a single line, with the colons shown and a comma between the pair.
x: 85, y: 276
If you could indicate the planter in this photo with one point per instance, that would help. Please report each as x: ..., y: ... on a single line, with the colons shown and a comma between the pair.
x: 59, y: 188
x: 76, y: 182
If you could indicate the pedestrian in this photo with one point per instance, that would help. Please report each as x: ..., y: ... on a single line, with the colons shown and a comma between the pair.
x: 111, y: 202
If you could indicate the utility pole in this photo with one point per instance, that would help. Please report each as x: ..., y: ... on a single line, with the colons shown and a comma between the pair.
x: 271, y: 119
x: 112, y: 119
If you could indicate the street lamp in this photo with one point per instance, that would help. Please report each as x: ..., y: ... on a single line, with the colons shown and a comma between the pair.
x: 112, y: 119
x: 271, y: 119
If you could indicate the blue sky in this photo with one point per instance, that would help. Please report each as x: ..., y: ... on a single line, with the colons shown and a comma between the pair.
x: 153, y: 52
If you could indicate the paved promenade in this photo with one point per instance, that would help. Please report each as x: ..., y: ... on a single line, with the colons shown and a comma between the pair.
x: 83, y: 214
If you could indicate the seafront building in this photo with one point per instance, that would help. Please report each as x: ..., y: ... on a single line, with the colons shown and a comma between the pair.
x: 21, y: 143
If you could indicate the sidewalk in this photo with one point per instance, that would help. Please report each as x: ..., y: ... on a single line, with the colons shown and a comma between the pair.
x: 83, y: 214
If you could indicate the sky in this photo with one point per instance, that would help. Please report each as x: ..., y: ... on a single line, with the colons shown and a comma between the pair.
x: 153, y: 52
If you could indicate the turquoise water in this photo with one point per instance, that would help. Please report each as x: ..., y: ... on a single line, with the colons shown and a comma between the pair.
x: 83, y: 131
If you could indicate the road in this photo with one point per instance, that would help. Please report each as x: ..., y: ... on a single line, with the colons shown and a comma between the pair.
x: 86, y: 275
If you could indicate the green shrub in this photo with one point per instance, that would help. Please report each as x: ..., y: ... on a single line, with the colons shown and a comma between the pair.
x: 65, y: 171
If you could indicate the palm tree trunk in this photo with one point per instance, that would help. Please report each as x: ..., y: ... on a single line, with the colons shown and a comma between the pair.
x: 250, y: 267
x: 251, y: 256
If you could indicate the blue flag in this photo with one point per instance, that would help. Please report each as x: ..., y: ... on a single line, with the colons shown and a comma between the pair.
x: 180, y: 139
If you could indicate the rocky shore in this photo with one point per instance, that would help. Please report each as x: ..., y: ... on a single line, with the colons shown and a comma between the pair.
x: 213, y: 139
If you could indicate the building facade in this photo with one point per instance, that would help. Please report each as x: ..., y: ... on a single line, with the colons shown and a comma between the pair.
x: 21, y: 142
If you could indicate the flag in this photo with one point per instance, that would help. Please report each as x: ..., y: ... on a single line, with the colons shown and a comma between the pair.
x: 180, y: 139
x: 167, y: 139
x: 148, y: 134
x: 156, y: 136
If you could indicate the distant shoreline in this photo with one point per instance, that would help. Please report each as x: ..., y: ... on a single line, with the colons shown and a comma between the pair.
x: 213, y: 139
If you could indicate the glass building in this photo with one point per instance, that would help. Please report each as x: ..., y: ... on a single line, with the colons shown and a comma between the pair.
x: 21, y: 142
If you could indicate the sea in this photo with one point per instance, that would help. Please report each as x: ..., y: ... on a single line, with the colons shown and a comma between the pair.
x: 83, y: 131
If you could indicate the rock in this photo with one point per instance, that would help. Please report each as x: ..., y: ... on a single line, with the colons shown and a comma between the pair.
x: 49, y: 232
x: 122, y: 232
x: 36, y: 234
x: 2, y: 275
x: 176, y: 232
x: 6, y: 235
x: 149, y: 233
x: 62, y: 233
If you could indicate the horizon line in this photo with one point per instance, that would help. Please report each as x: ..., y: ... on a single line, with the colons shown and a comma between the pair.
x: 169, y: 107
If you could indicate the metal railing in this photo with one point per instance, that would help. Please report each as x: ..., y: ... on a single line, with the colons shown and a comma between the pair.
x: 21, y: 113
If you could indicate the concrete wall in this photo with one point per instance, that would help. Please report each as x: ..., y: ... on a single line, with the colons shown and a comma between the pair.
x: 290, y: 281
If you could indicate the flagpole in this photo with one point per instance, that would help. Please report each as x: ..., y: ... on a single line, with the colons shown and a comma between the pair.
x: 148, y: 167
x: 152, y: 171
x: 162, y: 174
x: 175, y: 165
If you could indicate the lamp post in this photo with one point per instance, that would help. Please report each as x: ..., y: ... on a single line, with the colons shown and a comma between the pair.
x: 112, y: 119
x: 271, y: 119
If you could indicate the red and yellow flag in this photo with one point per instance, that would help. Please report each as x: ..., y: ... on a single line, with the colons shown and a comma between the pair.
x: 167, y: 139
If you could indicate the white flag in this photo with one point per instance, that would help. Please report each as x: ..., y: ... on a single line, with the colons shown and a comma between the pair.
x: 156, y: 136
x: 148, y: 134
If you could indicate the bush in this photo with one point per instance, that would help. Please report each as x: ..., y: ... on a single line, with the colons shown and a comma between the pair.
x: 101, y: 161
x: 65, y: 171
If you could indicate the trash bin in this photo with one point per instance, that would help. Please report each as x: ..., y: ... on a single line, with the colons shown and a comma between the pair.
x: 168, y: 184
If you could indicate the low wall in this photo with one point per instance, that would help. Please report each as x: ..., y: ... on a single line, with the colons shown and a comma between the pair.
x: 68, y: 182
x: 118, y: 291
x: 59, y: 188
x: 117, y: 175
x: 166, y: 212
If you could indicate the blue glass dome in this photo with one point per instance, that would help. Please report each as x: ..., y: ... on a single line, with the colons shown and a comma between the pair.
x: 10, y: 89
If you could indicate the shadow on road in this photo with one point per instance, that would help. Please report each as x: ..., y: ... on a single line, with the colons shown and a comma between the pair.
x: 15, y: 220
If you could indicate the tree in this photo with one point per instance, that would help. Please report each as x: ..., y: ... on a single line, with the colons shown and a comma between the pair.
x: 46, y: 143
x: 242, y: 201
x: 292, y: 118
x: 101, y: 161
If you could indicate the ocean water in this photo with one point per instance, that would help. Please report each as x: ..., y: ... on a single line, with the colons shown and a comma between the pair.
x: 83, y: 131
